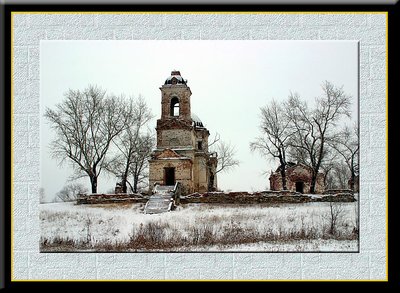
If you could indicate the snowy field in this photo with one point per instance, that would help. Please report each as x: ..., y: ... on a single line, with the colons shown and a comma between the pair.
x: 318, y: 226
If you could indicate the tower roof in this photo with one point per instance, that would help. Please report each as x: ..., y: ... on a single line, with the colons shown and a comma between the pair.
x: 175, y: 75
x: 196, y: 120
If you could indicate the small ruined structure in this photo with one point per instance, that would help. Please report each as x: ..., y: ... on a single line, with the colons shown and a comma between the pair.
x: 356, y: 187
x: 181, y: 154
x: 298, y: 178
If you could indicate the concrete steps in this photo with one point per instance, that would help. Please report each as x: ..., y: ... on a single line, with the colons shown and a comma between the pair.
x: 162, y: 200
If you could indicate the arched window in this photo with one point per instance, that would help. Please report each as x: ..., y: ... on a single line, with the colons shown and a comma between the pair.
x: 174, y: 111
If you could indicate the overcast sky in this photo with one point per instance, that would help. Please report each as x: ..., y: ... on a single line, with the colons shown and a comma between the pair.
x: 230, y: 81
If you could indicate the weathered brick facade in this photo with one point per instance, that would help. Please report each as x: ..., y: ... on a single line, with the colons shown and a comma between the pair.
x: 298, y: 178
x: 182, y: 142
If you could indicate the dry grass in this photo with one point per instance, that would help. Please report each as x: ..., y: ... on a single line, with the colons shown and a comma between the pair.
x: 118, y: 227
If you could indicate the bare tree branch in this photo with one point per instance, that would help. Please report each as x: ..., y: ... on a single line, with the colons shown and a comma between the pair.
x: 226, y: 157
x: 275, y: 136
x: 314, y: 129
x: 85, y: 124
x: 346, y: 144
x: 135, y: 144
x: 214, y: 140
x: 225, y: 154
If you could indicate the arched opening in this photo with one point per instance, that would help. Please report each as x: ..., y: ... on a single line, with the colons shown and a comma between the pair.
x: 169, y: 176
x: 174, y: 111
x: 300, y: 186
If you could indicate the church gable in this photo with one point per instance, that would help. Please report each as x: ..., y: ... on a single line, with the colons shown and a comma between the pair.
x: 168, y: 153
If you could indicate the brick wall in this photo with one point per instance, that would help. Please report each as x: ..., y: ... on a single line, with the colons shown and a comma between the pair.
x: 263, y: 197
x: 183, y: 173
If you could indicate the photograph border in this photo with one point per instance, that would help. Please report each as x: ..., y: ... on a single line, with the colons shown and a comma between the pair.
x: 232, y: 261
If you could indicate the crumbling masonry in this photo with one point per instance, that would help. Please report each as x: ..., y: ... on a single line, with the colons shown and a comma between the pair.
x: 182, y: 152
x: 298, y: 178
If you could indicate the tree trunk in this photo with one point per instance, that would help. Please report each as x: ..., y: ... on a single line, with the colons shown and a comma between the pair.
x: 125, y: 175
x: 283, y: 175
x: 93, y: 182
x: 352, y: 180
x: 313, y: 181
x: 130, y: 185
x: 135, y: 183
x: 123, y: 183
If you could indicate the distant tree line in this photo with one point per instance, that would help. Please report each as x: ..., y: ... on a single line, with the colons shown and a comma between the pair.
x: 316, y: 136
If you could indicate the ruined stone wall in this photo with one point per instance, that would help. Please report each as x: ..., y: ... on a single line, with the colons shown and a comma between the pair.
x: 221, y: 198
x: 320, y: 184
x: 297, y: 174
x: 275, y: 182
x: 200, y: 174
x: 263, y: 197
x: 176, y: 138
x: 189, y: 153
x: 213, y: 168
x: 183, y: 173
x: 111, y: 198
x: 195, y: 174
x: 202, y: 135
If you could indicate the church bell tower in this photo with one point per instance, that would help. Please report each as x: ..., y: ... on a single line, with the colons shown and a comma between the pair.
x: 181, y: 154
x: 175, y: 124
x: 175, y: 100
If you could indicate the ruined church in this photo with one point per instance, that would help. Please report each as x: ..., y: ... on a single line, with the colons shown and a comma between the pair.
x: 298, y: 178
x: 181, y: 153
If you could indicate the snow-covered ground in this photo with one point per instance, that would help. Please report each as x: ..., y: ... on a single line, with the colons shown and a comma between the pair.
x: 197, y: 227
x: 288, y: 246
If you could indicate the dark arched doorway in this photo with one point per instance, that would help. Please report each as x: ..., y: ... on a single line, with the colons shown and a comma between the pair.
x: 300, y: 186
x: 174, y: 110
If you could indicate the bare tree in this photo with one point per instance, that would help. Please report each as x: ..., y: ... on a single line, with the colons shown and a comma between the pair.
x: 140, y: 163
x: 336, y: 210
x: 225, y: 154
x: 334, y: 171
x: 70, y: 192
x: 135, y: 144
x: 337, y: 175
x: 346, y: 143
x: 213, y: 142
x: 275, y: 136
x: 314, y: 129
x: 226, y: 157
x: 132, y: 162
x: 329, y: 179
x: 85, y: 123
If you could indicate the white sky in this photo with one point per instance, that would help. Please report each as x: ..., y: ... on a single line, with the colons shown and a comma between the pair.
x: 230, y: 81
